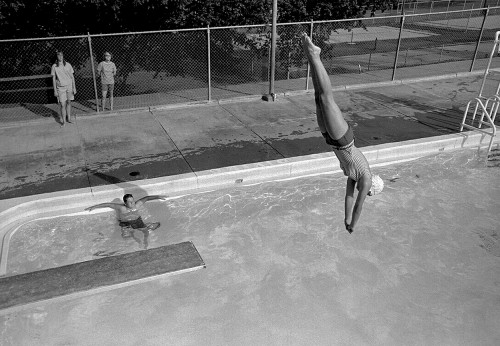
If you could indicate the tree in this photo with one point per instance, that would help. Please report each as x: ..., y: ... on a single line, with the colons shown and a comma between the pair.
x: 149, y: 52
x: 46, y: 18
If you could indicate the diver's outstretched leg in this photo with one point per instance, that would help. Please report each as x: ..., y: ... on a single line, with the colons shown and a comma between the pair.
x: 330, y: 117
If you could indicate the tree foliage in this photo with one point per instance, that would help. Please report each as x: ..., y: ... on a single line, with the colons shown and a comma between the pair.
x: 174, y: 54
x: 45, y: 18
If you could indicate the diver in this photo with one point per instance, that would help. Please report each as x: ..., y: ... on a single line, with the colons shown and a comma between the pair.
x: 338, y: 133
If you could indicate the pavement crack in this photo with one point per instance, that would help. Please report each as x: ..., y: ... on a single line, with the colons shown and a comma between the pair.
x: 173, y: 142
x: 86, y: 168
x: 251, y: 130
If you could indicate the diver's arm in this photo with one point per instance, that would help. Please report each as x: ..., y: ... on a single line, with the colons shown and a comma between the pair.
x: 364, y: 187
x: 349, y: 201
x: 115, y: 206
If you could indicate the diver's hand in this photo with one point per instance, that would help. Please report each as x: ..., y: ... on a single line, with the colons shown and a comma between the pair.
x: 348, y: 227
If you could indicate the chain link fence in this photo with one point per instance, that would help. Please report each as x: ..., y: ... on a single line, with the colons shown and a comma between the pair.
x: 169, y: 67
x: 239, y: 61
x: 430, y: 6
x: 155, y: 68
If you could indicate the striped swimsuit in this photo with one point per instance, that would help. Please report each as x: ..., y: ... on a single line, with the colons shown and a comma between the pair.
x: 352, y: 161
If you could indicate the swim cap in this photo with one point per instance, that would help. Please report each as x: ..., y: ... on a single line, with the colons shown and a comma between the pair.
x: 377, y: 185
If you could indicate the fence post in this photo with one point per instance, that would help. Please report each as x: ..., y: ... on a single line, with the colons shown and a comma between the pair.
x: 273, y: 50
x: 374, y: 49
x: 309, y: 66
x: 468, y: 19
x: 93, y: 72
x: 479, y: 39
x: 209, y: 71
x: 398, y: 46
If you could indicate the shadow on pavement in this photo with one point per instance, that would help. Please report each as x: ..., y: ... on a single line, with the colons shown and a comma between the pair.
x: 41, y: 110
x: 127, y: 186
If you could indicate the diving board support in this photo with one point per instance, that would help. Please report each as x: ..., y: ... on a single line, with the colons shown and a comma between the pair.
x: 22, y: 291
x: 482, y: 110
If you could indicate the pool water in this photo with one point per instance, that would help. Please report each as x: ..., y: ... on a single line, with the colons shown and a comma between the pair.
x: 422, y: 266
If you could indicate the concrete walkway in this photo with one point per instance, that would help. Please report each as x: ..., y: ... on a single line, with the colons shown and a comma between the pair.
x: 39, y: 156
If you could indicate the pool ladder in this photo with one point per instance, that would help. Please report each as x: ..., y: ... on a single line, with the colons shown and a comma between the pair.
x: 484, y: 108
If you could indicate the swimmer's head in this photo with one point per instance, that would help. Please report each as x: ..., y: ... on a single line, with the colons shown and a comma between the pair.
x: 127, y: 201
x: 377, y: 185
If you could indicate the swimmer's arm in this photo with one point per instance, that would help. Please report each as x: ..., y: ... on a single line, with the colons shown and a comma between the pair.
x: 151, y: 198
x: 115, y: 206
x: 364, y: 188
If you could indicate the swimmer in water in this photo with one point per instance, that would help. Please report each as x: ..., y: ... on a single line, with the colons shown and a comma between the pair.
x: 129, y: 217
x: 338, y: 133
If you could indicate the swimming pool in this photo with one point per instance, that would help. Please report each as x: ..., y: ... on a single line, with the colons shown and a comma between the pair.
x: 422, y: 267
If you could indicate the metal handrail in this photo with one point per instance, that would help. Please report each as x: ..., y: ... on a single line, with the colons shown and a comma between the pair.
x: 485, y: 113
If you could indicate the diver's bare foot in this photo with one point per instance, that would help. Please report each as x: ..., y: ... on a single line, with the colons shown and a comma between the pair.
x: 309, y: 48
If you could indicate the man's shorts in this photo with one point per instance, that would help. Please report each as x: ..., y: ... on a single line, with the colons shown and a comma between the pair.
x: 107, y: 87
x: 129, y: 226
x: 65, y: 93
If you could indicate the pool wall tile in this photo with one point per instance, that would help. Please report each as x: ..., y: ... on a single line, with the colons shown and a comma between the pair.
x: 243, y: 174
x: 25, y: 208
x: 169, y: 185
x: 314, y: 164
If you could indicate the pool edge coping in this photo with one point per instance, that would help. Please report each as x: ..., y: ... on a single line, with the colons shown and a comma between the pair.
x: 17, y: 211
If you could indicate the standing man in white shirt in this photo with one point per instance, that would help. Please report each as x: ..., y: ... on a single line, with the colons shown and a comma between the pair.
x: 107, y: 71
x: 63, y: 81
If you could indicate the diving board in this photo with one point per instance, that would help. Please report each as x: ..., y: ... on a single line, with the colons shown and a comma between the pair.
x: 89, y: 277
